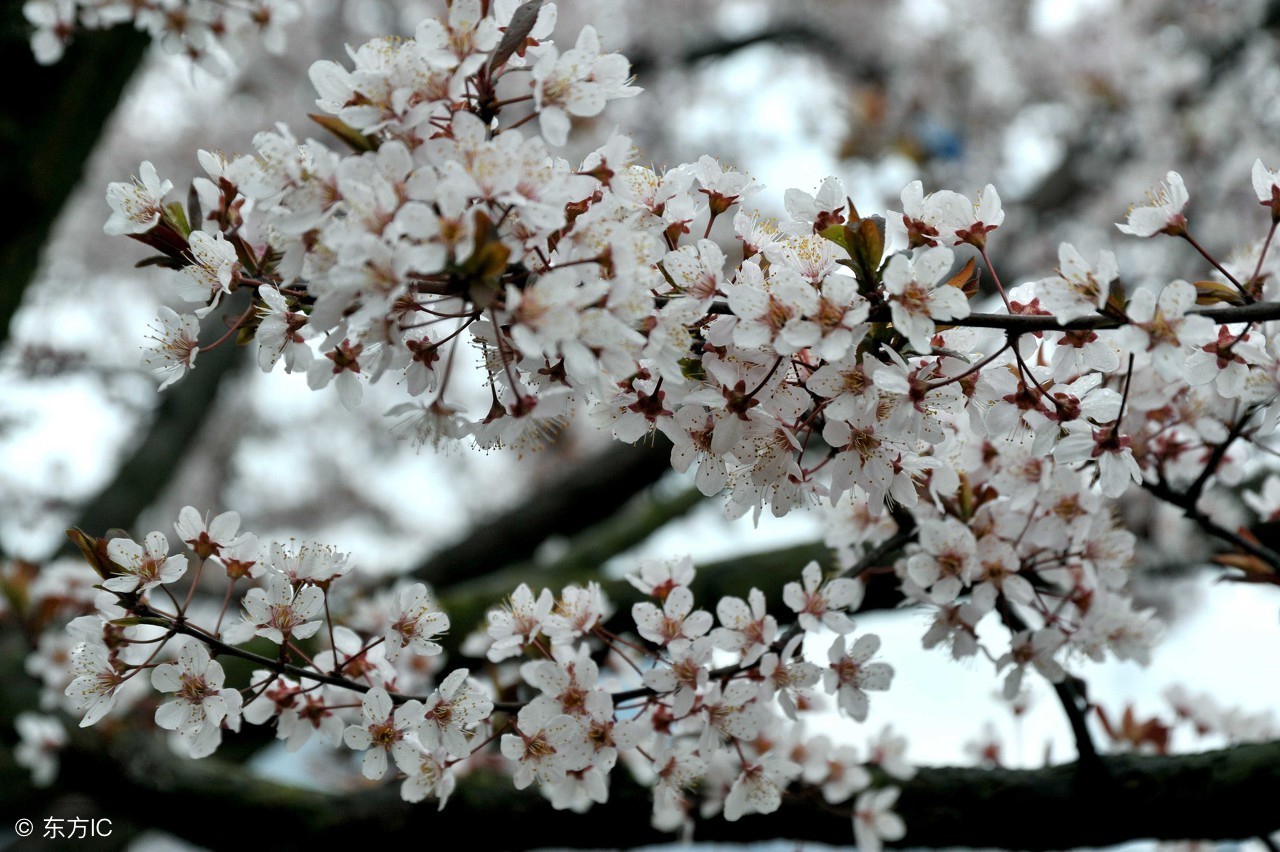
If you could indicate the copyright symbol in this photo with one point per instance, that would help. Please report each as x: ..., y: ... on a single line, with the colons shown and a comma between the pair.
x: 23, y: 827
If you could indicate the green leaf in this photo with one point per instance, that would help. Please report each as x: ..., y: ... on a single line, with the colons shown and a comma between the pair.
x: 175, y: 213
x: 838, y: 234
x: 863, y: 239
x: 355, y: 140
x: 867, y: 248
x: 692, y: 369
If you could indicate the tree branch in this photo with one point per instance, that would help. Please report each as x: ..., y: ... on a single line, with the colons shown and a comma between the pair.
x: 1228, y: 794
x: 1029, y: 323
x: 795, y: 34
x: 1070, y: 692
x: 51, y: 120
x: 173, y: 429
x: 583, y: 496
x: 1189, y: 509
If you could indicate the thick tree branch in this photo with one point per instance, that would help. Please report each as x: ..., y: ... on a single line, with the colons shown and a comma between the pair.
x: 768, y: 571
x: 51, y: 119
x: 173, y: 430
x: 1227, y: 794
x: 583, y: 496
x: 1070, y: 692
x: 1024, y: 323
x: 1029, y: 323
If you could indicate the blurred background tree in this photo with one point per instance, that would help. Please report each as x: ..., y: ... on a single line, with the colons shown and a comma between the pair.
x: 1072, y: 110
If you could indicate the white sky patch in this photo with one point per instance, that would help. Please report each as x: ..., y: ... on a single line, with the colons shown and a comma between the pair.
x: 743, y: 17
x: 781, y: 108
x: 1054, y: 16
x: 150, y: 101
x: 1032, y: 148
x: 707, y: 536
x: 926, y: 17
x: 60, y: 442
x: 941, y: 704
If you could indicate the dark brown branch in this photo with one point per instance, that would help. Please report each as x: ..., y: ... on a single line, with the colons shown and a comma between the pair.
x: 1227, y: 794
x: 1028, y: 323
x: 1022, y: 324
x: 586, y: 494
x: 1219, y: 452
x: 1189, y: 509
x: 793, y: 33
x: 1070, y: 692
x: 50, y: 120
x: 175, y: 425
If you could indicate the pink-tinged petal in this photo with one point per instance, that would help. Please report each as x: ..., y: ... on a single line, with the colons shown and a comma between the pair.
x: 1177, y: 297
x: 554, y: 124
x: 194, y: 657
x: 844, y: 593
x: 916, y: 328
x: 948, y: 303
x: 1266, y: 183
x: 679, y: 602
x: 157, y: 544
x: 946, y: 590
x: 272, y: 634
x: 1177, y: 195
x: 123, y: 551
x: 1018, y: 589
x: 223, y: 528
x: 173, y: 569
x: 586, y: 99
x: 189, y: 524
x: 897, y: 274
x: 660, y: 680
x: 913, y: 199
x: 215, y: 708
x: 306, y: 630
x: 793, y: 597
x: 698, y: 623
x: 891, y: 827
x: 839, y: 622
x: 1146, y: 222
x: 98, y: 707
x: 733, y: 612
x: 404, y: 753
x: 990, y: 211
x: 710, y: 477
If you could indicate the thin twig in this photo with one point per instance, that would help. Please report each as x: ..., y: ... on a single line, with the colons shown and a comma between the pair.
x: 1200, y: 519
x: 1070, y: 694
x: 1026, y: 323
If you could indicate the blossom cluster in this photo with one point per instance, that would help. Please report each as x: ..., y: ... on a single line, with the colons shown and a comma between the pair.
x: 707, y: 709
x: 203, y: 30
x: 807, y: 361
x: 816, y: 366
